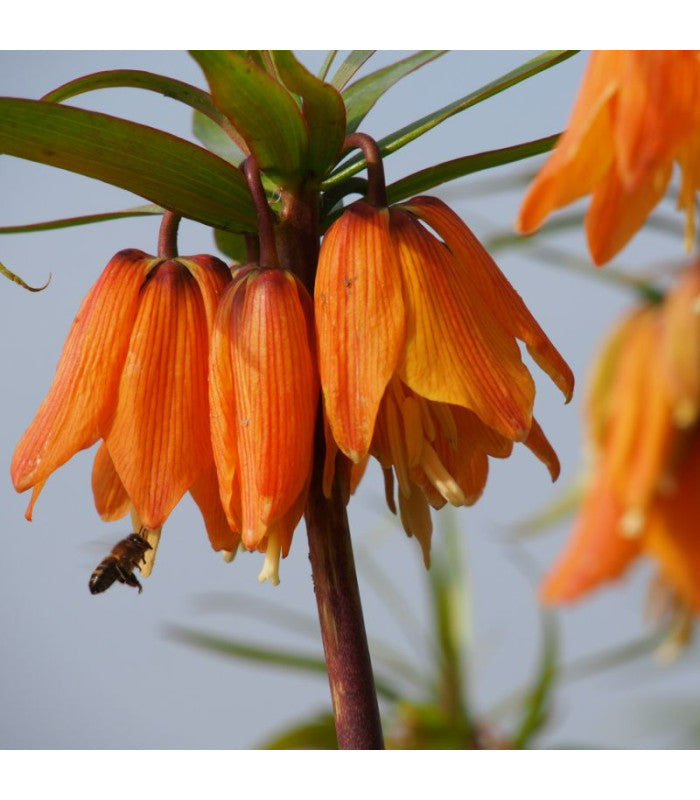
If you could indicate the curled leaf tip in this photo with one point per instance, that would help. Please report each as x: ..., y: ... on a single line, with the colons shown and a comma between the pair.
x: 16, y: 279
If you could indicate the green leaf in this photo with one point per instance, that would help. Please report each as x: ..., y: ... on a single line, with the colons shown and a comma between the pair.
x: 353, y: 62
x: 323, y: 110
x: 231, y: 245
x: 138, y: 79
x: 87, y: 219
x: 317, y: 734
x: 394, y: 141
x: 16, y: 279
x: 538, y: 701
x: 166, y: 170
x: 262, y: 111
x: 327, y: 63
x: 217, y: 140
x: 363, y: 94
x: 459, y: 167
x: 264, y: 655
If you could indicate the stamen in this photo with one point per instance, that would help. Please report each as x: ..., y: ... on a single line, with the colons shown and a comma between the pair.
x: 446, y: 421
x: 414, y: 431
x: 427, y: 419
x: 152, y: 536
x: 415, y: 518
x: 632, y: 523
x: 440, y: 478
x: 271, y: 566
x: 396, y: 445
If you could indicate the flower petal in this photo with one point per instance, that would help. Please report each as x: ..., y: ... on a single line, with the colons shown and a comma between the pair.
x: 680, y: 347
x: 111, y: 500
x: 159, y: 438
x: 672, y: 537
x: 616, y: 214
x: 276, y: 389
x: 359, y: 323
x: 656, y: 109
x: 596, y: 550
x: 223, y: 408
x: 538, y: 444
x: 82, y: 395
x: 502, y: 299
x: 584, y: 152
x: 456, y: 350
x: 205, y: 493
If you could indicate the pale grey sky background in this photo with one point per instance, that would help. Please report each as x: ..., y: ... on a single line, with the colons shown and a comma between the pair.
x: 78, y: 671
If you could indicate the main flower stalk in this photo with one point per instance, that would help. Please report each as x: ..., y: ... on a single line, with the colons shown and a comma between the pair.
x: 346, y: 651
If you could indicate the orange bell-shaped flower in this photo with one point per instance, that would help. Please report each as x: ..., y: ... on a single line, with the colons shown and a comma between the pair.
x: 637, y: 112
x: 643, y: 412
x: 418, y: 356
x: 264, y: 400
x: 133, y: 372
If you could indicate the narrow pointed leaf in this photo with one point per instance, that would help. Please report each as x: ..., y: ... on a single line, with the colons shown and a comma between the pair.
x: 16, y: 279
x: 164, y: 169
x: 431, y: 177
x: 327, y: 64
x: 323, y: 110
x: 262, y: 111
x: 265, y: 655
x: 537, y: 703
x: 350, y: 66
x: 86, y: 219
x: 398, y: 139
x: 317, y: 734
x: 215, y: 138
x: 363, y: 94
x: 139, y: 79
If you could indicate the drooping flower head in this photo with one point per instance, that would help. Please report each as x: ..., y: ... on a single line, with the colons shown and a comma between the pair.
x: 264, y: 397
x: 643, y: 414
x: 133, y: 373
x: 637, y: 113
x: 418, y: 356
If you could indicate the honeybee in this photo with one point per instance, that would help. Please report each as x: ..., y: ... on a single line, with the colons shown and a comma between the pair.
x: 126, y: 555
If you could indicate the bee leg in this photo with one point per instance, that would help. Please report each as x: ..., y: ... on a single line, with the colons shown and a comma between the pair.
x: 128, y: 578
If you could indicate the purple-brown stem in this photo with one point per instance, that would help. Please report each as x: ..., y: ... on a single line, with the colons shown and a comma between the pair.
x: 266, y: 226
x: 345, y: 647
x: 376, y: 189
x: 167, y: 235
x: 350, y: 675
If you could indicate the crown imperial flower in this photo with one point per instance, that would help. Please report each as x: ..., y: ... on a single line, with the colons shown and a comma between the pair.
x: 264, y: 398
x: 643, y: 412
x: 418, y: 356
x: 637, y: 112
x: 133, y: 373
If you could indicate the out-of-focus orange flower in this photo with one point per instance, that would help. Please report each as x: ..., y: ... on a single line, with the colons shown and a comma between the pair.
x: 643, y: 412
x: 637, y: 112
x: 133, y: 372
x: 264, y: 398
x: 418, y: 356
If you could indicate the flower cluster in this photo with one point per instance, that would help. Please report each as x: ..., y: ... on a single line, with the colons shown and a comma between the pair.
x: 637, y: 113
x: 199, y: 379
x: 418, y: 356
x: 643, y: 414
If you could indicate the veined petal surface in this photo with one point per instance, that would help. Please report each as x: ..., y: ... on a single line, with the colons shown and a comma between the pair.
x: 159, y: 437
x: 359, y: 313
x: 502, y: 299
x: 276, y: 390
x: 111, y: 500
x: 82, y: 395
x: 456, y: 350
